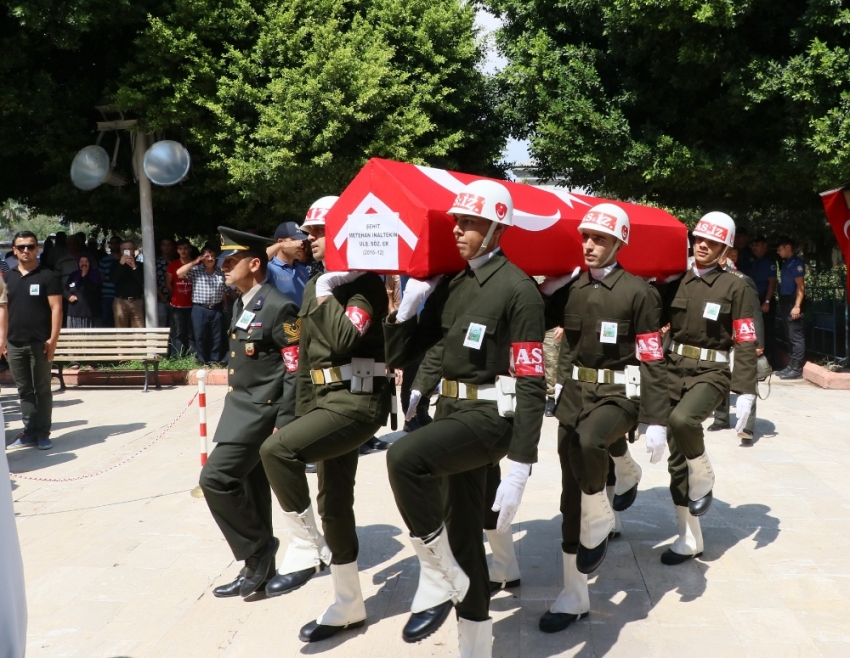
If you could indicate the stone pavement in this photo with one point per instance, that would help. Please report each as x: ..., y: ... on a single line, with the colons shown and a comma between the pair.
x: 121, y: 564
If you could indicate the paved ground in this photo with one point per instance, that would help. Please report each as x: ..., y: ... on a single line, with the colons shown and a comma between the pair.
x: 121, y: 564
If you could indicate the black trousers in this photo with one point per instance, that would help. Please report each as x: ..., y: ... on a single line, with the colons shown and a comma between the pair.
x: 31, y: 370
x: 793, y: 330
x: 333, y: 441
x: 685, y: 436
x: 439, y: 474
x: 182, y: 337
x: 586, y: 463
x: 238, y: 495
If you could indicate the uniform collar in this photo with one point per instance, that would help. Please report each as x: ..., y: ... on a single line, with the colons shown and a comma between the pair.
x: 250, y: 294
x: 709, y: 277
x: 486, y: 269
x: 609, y: 281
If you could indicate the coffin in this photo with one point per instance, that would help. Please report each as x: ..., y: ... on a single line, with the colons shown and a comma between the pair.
x: 391, y: 219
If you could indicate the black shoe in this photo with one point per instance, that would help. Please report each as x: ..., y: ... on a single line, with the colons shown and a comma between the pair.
x: 622, y: 502
x: 550, y: 407
x: 377, y: 444
x: 314, y: 632
x: 779, y: 373
x: 498, y: 587
x: 792, y: 373
x: 671, y: 559
x: 589, y: 559
x: 365, y: 449
x: 311, y: 467
x: 261, y: 567
x: 701, y: 506
x: 716, y: 426
x: 613, y: 535
x: 422, y: 624
x: 746, y: 437
x: 411, y: 425
x: 230, y: 589
x: 552, y: 622
x: 285, y: 583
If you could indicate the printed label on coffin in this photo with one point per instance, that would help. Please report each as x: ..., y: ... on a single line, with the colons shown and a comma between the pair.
x: 372, y: 232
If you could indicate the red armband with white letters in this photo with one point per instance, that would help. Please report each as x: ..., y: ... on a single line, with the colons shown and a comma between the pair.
x: 359, y: 318
x: 290, y: 357
x: 527, y: 359
x: 745, y: 330
x: 648, y: 347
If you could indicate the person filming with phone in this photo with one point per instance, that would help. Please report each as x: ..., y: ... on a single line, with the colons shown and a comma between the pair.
x: 129, y: 305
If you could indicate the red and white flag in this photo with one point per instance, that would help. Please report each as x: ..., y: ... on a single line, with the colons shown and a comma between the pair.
x: 837, y: 206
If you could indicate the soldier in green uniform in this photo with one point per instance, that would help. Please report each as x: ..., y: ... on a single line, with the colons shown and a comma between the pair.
x: 611, y: 323
x: 479, y: 327
x: 343, y: 399
x: 709, y: 311
x: 260, y: 399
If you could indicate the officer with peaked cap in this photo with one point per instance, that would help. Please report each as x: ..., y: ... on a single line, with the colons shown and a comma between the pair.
x: 260, y: 398
x: 478, y: 327
x: 709, y: 311
x: 343, y: 399
x: 611, y: 322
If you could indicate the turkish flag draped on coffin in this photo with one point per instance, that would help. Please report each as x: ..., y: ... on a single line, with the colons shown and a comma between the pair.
x: 837, y: 206
x: 391, y: 219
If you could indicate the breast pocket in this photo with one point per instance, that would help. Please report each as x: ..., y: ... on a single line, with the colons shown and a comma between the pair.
x: 613, y: 338
x: 253, y: 344
x: 717, y: 315
x: 473, y: 338
x: 572, y: 330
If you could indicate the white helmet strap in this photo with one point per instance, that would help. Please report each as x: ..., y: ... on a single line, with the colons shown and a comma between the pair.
x: 487, y: 238
x: 613, y: 255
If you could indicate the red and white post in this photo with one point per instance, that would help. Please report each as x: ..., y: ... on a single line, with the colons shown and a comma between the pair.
x: 202, y: 412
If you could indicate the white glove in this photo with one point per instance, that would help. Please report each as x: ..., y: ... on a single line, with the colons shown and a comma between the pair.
x: 509, y: 495
x: 558, y: 389
x: 656, y: 440
x: 330, y: 280
x: 551, y: 285
x: 415, y: 292
x: 743, y: 408
x: 415, y: 397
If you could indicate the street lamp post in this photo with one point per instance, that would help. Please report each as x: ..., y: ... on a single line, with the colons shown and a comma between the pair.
x: 148, y: 245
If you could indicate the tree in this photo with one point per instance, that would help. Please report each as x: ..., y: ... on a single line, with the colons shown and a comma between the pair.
x: 736, y: 105
x: 13, y: 211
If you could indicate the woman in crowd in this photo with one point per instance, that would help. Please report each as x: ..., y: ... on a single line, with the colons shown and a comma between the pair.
x: 82, y: 292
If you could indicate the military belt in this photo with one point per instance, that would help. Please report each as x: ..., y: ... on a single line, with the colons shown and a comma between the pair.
x: 602, y: 376
x: 343, y: 373
x: 462, y: 391
x: 700, y: 353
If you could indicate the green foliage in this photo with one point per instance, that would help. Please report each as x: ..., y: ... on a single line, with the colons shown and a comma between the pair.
x: 735, y: 105
x: 187, y: 362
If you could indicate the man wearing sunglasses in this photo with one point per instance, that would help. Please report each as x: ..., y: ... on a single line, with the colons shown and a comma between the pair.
x: 35, y: 317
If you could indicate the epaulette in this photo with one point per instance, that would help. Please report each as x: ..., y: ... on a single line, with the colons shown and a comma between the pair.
x: 737, y: 274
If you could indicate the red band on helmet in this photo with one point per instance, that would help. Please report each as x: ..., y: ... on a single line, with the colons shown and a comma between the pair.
x: 290, y: 357
x: 471, y: 202
x: 359, y: 318
x: 527, y: 359
x: 745, y: 330
x: 316, y: 213
x: 719, y: 233
x: 648, y: 347
x: 601, y: 219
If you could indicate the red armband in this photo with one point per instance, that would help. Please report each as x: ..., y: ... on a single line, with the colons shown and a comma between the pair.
x: 359, y: 318
x: 290, y: 357
x: 745, y: 330
x: 527, y: 359
x: 648, y: 347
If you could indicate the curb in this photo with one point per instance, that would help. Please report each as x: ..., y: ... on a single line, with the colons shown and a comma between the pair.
x: 826, y: 379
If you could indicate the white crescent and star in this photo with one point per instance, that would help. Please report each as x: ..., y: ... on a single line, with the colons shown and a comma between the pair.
x: 846, y: 226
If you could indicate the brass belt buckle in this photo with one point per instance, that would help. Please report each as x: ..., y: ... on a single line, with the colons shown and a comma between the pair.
x: 317, y: 376
x: 690, y: 351
x: 449, y: 389
x: 587, y: 375
x: 336, y: 375
x: 472, y: 391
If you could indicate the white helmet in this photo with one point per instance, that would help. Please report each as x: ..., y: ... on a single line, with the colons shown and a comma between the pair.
x: 607, y: 218
x: 487, y: 199
x: 316, y: 213
x: 716, y: 226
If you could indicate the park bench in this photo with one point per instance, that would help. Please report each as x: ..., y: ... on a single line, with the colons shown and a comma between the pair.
x: 148, y: 345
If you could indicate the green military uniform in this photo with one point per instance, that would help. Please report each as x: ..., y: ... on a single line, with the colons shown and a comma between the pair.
x: 603, y: 321
x: 721, y: 414
x: 495, y: 309
x: 332, y: 422
x: 704, y: 313
x: 260, y: 397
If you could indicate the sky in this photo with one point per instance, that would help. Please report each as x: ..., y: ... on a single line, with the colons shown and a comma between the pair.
x: 516, y: 150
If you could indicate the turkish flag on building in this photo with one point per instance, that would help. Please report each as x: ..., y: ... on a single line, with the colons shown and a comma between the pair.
x: 837, y: 206
x: 392, y: 219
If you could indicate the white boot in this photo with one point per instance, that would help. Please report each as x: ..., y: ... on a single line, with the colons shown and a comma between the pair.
x: 689, y: 542
x: 475, y: 638
x: 505, y: 569
x: 597, y: 519
x: 348, y: 607
x: 700, y: 484
x: 618, y: 524
x: 307, y: 547
x: 440, y: 577
x: 628, y: 475
x: 572, y: 603
x: 347, y: 610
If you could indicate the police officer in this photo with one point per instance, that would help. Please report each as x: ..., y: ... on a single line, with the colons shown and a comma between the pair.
x: 482, y: 325
x: 709, y: 311
x: 343, y: 399
x: 792, y: 290
x: 260, y: 398
x: 611, y: 323
x: 763, y: 273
